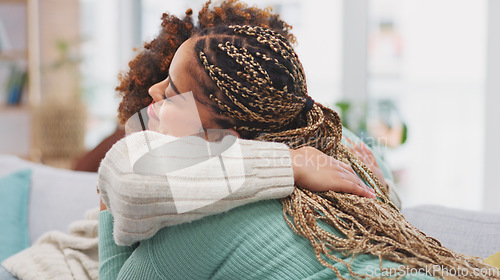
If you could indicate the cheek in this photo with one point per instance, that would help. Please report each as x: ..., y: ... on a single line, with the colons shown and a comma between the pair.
x: 178, y: 121
x: 208, y: 118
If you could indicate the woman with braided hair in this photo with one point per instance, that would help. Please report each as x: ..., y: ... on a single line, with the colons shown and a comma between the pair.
x: 248, y: 79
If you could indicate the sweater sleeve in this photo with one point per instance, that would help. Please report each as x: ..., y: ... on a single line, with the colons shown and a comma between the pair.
x: 111, y: 256
x: 142, y: 204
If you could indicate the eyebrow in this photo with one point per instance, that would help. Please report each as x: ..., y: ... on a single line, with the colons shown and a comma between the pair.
x: 173, y: 86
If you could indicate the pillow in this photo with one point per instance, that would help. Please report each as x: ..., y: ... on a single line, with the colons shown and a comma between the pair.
x: 57, y: 198
x: 14, y: 194
x: 493, y: 260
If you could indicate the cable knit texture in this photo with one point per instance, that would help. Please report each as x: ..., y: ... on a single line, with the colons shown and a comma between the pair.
x: 143, y: 204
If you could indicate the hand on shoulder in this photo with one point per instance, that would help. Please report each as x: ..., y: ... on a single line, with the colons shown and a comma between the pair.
x: 315, y: 171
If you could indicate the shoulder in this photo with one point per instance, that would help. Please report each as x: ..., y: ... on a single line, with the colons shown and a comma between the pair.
x: 243, y: 228
x: 236, y: 221
x: 253, y: 241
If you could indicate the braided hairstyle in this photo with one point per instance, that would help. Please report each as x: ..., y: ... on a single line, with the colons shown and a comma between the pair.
x: 257, y: 80
x: 152, y: 62
x: 251, y: 68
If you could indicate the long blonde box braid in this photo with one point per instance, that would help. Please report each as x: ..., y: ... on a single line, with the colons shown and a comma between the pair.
x: 368, y: 226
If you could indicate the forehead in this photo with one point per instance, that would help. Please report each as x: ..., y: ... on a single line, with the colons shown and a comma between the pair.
x: 187, y: 73
x: 183, y: 58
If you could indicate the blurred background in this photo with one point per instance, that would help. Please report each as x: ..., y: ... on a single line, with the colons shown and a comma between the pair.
x: 417, y: 80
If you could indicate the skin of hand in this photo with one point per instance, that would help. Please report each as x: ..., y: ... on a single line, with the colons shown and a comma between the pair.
x: 364, y: 154
x: 103, y: 206
x: 315, y: 171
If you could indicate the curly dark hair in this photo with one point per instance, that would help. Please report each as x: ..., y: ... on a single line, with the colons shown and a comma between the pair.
x: 152, y: 62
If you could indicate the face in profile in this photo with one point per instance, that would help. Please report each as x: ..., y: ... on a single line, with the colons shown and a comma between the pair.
x: 175, y: 110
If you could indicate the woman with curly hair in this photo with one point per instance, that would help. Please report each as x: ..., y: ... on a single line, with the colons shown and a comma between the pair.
x: 152, y: 63
x: 247, y: 78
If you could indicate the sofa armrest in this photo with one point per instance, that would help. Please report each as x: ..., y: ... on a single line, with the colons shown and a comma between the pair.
x: 472, y: 233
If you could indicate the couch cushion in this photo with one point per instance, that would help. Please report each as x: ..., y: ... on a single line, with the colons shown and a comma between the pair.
x: 14, y: 193
x: 57, y: 198
x: 468, y: 232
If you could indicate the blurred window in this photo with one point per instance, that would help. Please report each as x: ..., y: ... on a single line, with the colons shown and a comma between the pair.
x: 428, y: 58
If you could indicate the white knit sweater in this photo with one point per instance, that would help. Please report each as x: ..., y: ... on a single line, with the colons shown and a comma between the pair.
x: 141, y: 204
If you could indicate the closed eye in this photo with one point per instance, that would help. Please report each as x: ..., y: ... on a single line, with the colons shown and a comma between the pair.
x: 165, y: 96
x: 167, y: 99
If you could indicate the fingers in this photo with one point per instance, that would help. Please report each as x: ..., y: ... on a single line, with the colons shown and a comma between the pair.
x: 355, y: 148
x: 347, y: 168
x: 316, y: 171
x: 344, y: 179
x: 368, y: 153
x: 363, y: 152
x: 359, y: 148
x: 353, y: 145
x: 365, y: 191
x: 351, y: 183
x: 353, y: 187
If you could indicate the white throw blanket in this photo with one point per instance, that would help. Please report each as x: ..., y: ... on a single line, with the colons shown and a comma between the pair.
x: 58, y: 255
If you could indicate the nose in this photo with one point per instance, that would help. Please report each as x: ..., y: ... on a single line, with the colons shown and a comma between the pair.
x: 157, y: 91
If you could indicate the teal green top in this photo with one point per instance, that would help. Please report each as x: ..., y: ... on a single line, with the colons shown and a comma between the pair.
x: 249, y: 242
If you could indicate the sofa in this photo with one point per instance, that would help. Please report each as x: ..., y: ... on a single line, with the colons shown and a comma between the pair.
x: 59, y: 197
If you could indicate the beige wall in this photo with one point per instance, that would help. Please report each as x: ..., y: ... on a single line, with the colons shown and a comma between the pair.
x: 58, y: 21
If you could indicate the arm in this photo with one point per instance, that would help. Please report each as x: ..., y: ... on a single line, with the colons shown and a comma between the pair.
x: 141, y: 205
x: 111, y: 256
x: 315, y: 171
